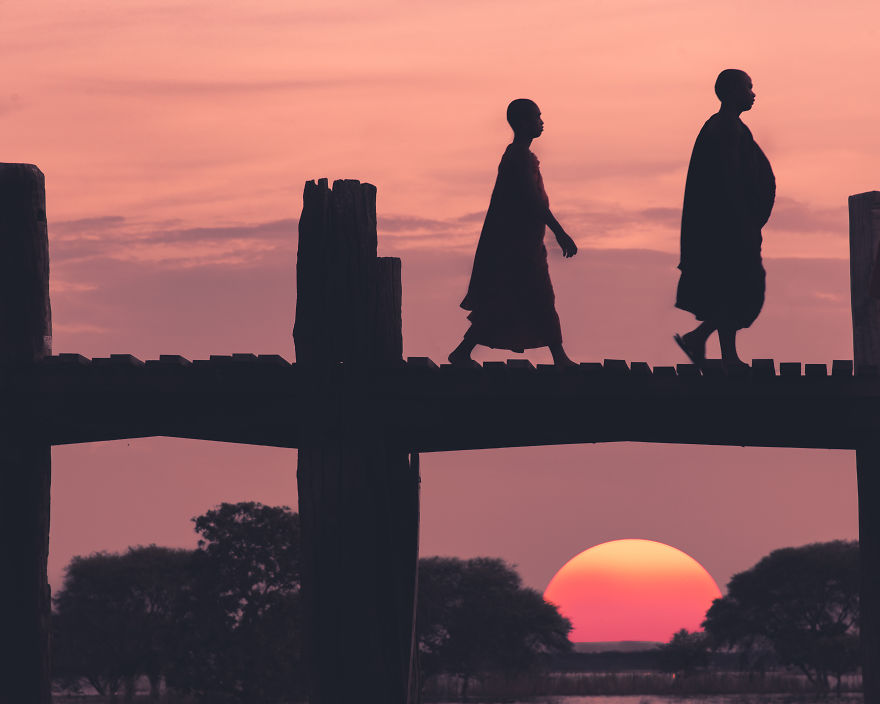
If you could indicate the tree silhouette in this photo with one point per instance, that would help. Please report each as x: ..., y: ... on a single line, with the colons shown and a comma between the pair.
x: 115, y: 617
x: 223, y: 623
x: 804, y: 602
x: 241, y: 629
x: 684, y: 653
x: 474, y: 616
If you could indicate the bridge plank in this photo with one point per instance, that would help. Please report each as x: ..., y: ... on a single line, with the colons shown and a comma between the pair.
x: 175, y: 360
x: 615, y: 366
x: 68, y: 358
x: 687, y: 371
x: 640, y: 369
x: 126, y: 360
x: 519, y: 364
x: 763, y: 367
x: 273, y: 360
x: 713, y: 368
x: 842, y: 367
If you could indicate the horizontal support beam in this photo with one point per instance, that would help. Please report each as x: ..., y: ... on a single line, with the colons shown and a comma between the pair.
x: 428, y: 408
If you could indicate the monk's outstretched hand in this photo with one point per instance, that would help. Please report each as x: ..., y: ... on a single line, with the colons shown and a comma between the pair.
x: 569, y: 248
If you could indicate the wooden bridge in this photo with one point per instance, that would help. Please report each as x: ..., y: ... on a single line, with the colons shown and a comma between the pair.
x: 359, y: 416
x: 419, y: 406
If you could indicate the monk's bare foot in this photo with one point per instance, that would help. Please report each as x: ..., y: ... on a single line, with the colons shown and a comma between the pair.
x: 562, y: 360
x: 693, y: 346
x: 461, y: 358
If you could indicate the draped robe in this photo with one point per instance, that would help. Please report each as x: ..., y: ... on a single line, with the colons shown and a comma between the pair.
x: 510, y: 295
x: 728, y: 197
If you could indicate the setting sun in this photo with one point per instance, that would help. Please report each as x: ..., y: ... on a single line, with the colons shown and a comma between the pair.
x: 632, y: 590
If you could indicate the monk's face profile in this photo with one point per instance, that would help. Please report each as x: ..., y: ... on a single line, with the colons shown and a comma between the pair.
x: 735, y: 90
x: 745, y: 95
x: 524, y: 117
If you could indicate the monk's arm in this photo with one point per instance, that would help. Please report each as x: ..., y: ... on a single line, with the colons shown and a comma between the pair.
x: 569, y: 248
x: 534, y: 198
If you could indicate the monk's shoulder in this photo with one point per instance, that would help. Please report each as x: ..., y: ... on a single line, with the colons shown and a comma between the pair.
x: 516, y: 158
x: 723, y: 128
x: 517, y: 152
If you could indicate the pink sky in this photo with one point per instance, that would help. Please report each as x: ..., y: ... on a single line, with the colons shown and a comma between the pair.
x: 176, y: 136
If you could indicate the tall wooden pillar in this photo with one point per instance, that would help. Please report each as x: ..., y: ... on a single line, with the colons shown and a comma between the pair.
x: 864, y: 244
x: 358, y: 493
x: 25, y: 337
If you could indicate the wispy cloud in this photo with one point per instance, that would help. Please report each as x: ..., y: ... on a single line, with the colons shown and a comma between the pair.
x: 65, y: 286
x: 116, y: 238
x: 600, y: 221
x: 795, y: 216
x: 78, y: 329
x: 408, y: 223
x: 85, y: 227
x: 595, y: 225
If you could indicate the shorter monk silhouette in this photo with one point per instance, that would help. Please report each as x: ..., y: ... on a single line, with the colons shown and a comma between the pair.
x: 728, y: 197
x: 510, y: 297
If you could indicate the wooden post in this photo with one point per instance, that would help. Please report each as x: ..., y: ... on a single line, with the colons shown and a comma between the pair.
x: 864, y: 243
x: 25, y: 337
x: 358, y: 494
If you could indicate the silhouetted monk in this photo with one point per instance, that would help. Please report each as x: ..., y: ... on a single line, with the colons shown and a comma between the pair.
x: 510, y: 295
x: 727, y: 200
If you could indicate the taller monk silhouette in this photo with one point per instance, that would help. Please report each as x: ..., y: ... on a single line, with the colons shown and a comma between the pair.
x: 510, y: 295
x: 728, y: 197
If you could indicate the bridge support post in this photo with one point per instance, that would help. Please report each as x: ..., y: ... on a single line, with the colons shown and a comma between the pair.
x: 358, y: 492
x: 864, y: 243
x: 25, y: 337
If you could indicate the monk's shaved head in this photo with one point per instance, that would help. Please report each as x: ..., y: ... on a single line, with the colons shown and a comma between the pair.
x: 521, y: 111
x: 730, y: 84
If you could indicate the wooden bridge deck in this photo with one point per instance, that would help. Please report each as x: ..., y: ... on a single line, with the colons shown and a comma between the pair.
x: 265, y: 400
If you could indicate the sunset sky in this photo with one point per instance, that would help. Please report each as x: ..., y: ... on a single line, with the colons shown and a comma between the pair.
x: 176, y: 137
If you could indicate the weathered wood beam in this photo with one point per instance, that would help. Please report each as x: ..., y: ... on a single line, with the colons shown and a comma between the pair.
x: 423, y: 408
x: 25, y: 337
x: 864, y: 249
x: 358, y: 490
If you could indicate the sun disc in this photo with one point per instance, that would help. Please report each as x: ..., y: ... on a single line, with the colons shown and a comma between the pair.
x: 632, y: 590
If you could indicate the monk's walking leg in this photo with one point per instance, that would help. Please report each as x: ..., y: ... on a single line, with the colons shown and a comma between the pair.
x: 727, y: 338
x: 693, y: 344
x: 462, y: 354
x: 560, y: 358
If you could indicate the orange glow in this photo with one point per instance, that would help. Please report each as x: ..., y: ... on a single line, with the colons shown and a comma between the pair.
x: 632, y: 590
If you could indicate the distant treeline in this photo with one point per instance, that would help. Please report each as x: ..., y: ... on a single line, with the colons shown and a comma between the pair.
x: 221, y: 624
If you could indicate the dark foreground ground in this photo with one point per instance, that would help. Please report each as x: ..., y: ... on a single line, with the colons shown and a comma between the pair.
x: 632, y: 687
